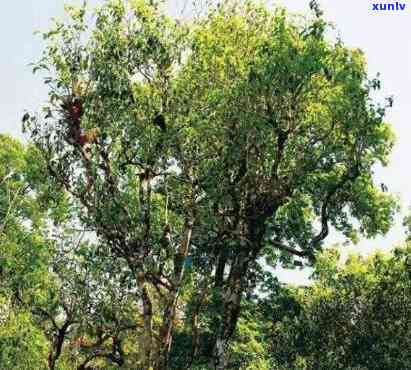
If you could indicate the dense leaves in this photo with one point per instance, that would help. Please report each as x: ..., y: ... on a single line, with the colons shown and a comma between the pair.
x: 355, y: 316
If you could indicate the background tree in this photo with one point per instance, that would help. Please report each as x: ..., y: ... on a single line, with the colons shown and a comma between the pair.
x: 355, y: 316
x: 23, y: 259
x: 107, y: 139
x: 60, y: 295
x: 288, y: 136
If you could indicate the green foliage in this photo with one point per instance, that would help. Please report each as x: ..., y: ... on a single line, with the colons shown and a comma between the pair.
x: 22, y: 344
x: 171, y: 164
x: 23, y: 250
x: 250, y: 350
x: 354, y: 316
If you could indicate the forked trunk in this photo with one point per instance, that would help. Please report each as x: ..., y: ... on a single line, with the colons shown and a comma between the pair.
x: 57, y: 346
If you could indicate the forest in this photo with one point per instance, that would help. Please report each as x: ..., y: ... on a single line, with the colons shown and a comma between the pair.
x: 174, y: 167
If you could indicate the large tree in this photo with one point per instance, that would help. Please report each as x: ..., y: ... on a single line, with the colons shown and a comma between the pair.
x: 289, y: 135
x: 243, y: 134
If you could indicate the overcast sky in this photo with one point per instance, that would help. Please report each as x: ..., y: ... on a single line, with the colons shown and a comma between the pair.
x: 383, y: 36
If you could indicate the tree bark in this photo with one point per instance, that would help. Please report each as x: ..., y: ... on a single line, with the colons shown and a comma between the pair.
x: 232, y: 296
x: 170, y: 310
x: 147, y: 343
x: 57, y: 345
x: 250, y: 241
x: 195, y: 338
x: 222, y: 261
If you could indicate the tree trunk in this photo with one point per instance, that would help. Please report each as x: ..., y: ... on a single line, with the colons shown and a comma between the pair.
x: 195, y: 338
x: 232, y: 295
x: 57, y: 345
x: 147, y: 343
x: 222, y: 261
x: 170, y: 311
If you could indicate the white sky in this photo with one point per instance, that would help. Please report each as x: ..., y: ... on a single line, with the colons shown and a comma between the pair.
x: 384, y: 37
